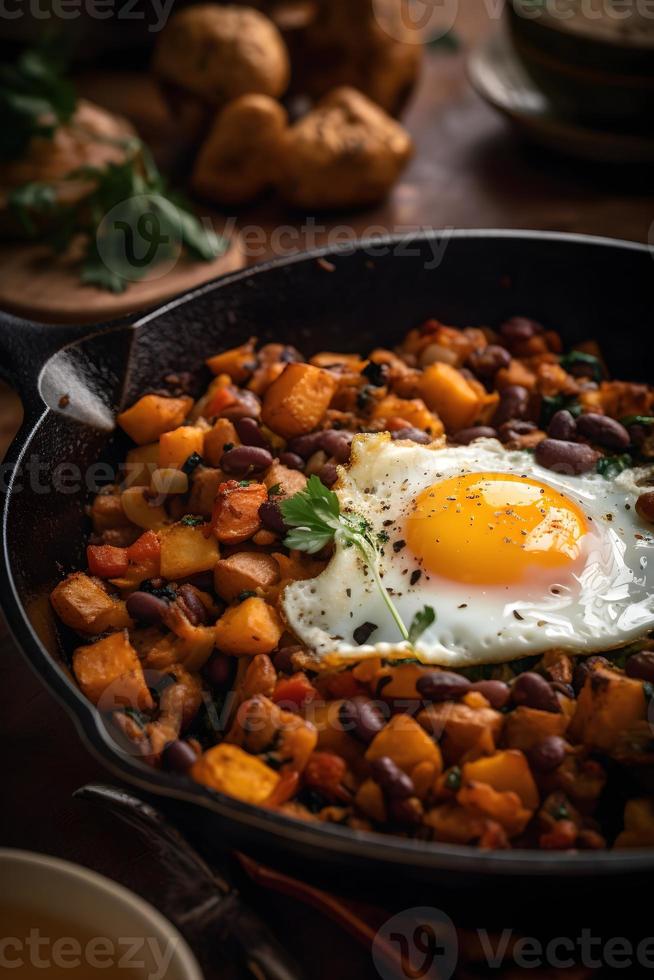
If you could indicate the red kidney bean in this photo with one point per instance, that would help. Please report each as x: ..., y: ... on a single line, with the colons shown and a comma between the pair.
x: 520, y: 328
x: 465, y: 436
x: 145, y: 607
x: 283, y: 659
x: 250, y: 434
x: 219, y: 671
x: 548, y: 754
x: 305, y: 446
x: 442, y: 685
x: 514, y: 404
x: 638, y: 434
x: 645, y: 506
x: 603, y: 430
x: 292, y: 461
x: 193, y: 605
x: 584, y: 668
x: 270, y: 516
x: 328, y: 474
x: 337, y: 443
x: 562, y: 426
x: 178, y: 756
x: 497, y: 693
x: 360, y: 718
x: 566, y: 457
x: 202, y: 581
x: 533, y: 691
x: 509, y: 431
x: 415, y: 435
x: 394, y: 782
x: 245, y: 460
x: 407, y: 812
x: 246, y: 406
x: 641, y: 666
x: 485, y: 362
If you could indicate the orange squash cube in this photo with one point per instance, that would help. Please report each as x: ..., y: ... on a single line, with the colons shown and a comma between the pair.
x: 296, y: 402
x: 153, y: 415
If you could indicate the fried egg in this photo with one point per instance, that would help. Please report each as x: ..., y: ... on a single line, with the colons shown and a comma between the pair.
x: 514, y: 559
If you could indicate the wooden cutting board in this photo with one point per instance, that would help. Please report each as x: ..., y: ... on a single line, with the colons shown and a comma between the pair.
x: 39, y: 286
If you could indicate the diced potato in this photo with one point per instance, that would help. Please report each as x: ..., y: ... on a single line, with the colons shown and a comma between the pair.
x: 525, y: 727
x: 455, y: 824
x: 413, y: 410
x: 251, y: 627
x: 289, y: 481
x: 110, y: 674
x: 140, y: 464
x: 506, y: 771
x: 168, y: 481
x: 370, y: 800
x: 204, y: 487
x: 228, y: 769
x: 447, y: 392
x: 296, y: 402
x: 503, y: 806
x: 107, y: 513
x: 221, y: 434
x: 153, y: 415
x: 84, y: 605
x: 406, y: 743
x: 245, y: 571
x: 238, y: 362
x: 462, y: 729
x: 608, y: 704
x: 185, y: 551
x: 175, y: 447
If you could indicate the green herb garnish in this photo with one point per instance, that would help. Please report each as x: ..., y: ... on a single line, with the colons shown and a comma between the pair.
x: 421, y: 621
x: 190, y: 520
x: 551, y: 404
x: 610, y: 466
x: 596, y: 371
x: 275, y: 490
x: 646, y: 420
x: 35, y: 99
x: 453, y: 779
x: 315, y: 520
x: 245, y: 594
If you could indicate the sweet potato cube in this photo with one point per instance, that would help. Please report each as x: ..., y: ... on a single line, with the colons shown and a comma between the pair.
x: 461, y: 729
x: 153, y: 415
x: 110, y: 674
x: 249, y: 628
x: 185, y: 551
x: 220, y: 435
x: 246, y: 571
x: 235, y: 516
x: 447, y: 392
x: 238, y: 362
x: 412, y: 410
x: 370, y: 800
x: 524, y: 727
x: 297, y: 400
x: 175, y: 447
x: 406, y: 743
x: 608, y: 705
x: 506, y: 771
x: 228, y: 769
x: 85, y: 606
x: 140, y: 464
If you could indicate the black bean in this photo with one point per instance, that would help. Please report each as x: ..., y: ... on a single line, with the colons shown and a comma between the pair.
x: 193, y: 605
x: 292, y: 461
x: 485, y: 362
x: 219, y: 671
x: 246, y: 406
x: 520, y: 328
x: 360, y: 718
x: 178, y: 756
x: 305, y: 446
x: 250, y: 433
x: 414, y: 435
x: 547, y: 754
x: 497, y: 693
x: 565, y: 457
x: 270, y: 516
x: 533, y: 691
x: 603, y: 430
x: 394, y: 782
x: 512, y: 430
x: 562, y: 426
x: 145, y: 607
x: 337, y: 443
x: 641, y: 666
x: 645, y: 506
x: 442, y: 685
x: 328, y: 474
x: 465, y: 436
x: 245, y: 460
x: 514, y: 404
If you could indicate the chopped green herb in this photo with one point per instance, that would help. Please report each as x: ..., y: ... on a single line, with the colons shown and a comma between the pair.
x: 275, y: 490
x: 192, y: 463
x: 551, y: 404
x: 646, y: 420
x: 610, y: 466
x: 560, y: 812
x: 421, y: 621
x: 190, y: 520
x: 246, y: 594
x: 228, y: 446
x: 453, y: 779
x: 596, y: 371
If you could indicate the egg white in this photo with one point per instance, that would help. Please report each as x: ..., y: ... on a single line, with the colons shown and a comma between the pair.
x: 606, y: 604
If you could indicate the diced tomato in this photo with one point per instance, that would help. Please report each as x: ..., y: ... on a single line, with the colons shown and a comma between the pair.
x: 147, y: 548
x: 106, y: 561
x: 296, y: 690
x: 221, y: 398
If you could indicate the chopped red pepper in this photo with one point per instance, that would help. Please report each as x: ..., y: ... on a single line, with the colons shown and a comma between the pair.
x: 106, y: 561
x: 145, y: 549
x: 295, y: 690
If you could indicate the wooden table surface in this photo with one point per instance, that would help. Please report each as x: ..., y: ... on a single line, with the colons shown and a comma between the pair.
x: 469, y: 171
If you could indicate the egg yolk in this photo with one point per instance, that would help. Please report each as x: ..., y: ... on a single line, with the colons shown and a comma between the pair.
x: 494, y: 528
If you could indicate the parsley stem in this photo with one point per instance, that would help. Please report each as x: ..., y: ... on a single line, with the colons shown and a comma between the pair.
x: 370, y: 557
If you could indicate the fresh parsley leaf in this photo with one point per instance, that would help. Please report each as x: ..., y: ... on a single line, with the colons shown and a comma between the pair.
x: 646, y: 420
x: 421, y: 621
x: 190, y: 520
x: 610, y: 466
x: 275, y: 490
x: 594, y: 365
x: 35, y: 99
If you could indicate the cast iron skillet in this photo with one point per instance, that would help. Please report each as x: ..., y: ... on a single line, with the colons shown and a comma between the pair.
x: 584, y: 287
